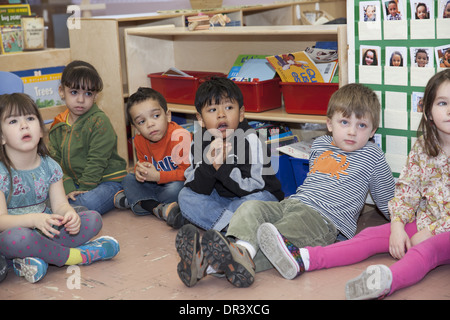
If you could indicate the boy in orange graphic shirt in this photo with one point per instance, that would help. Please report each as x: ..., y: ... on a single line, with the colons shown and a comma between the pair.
x: 162, y: 149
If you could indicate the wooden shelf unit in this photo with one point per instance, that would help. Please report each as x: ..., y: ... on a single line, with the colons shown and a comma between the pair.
x: 100, y: 41
x: 156, y: 49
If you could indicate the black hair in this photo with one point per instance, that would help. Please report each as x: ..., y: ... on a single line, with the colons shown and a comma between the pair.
x: 142, y: 94
x: 215, y: 90
x: 81, y: 75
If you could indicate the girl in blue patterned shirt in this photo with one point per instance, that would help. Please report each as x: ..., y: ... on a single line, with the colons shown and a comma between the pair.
x: 37, y: 224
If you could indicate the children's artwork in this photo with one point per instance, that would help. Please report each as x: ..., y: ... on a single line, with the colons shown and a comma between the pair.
x: 369, y: 11
x: 393, y: 9
x: 443, y: 56
x: 422, y: 9
x: 370, y: 55
x: 420, y: 57
x: 444, y: 9
x: 396, y: 56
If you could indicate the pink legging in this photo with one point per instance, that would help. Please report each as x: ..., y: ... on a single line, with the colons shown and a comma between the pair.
x: 415, y: 264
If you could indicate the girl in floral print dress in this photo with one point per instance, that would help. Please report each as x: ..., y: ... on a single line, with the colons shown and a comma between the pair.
x: 38, y: 226
x: 419, y: 232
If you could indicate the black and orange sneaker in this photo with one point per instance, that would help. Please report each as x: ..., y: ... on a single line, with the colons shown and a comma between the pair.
x: 228, y: 257
x: 192, y: 266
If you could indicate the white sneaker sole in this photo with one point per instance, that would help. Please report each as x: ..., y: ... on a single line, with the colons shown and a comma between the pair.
x: 272, y: 245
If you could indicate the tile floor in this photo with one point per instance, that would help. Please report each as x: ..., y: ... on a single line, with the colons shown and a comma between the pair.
x: 146, y: 269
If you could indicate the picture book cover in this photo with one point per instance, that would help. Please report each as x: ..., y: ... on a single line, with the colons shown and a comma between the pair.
x: 42, y: 85
x: 239, y: 62
x: 297, y: 67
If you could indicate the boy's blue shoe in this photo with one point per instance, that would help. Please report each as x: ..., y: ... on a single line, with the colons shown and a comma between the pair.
x: 103, y: 248
x: 32, y: 269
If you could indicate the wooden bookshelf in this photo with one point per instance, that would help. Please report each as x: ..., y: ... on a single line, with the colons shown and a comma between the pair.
x: 156, y: 49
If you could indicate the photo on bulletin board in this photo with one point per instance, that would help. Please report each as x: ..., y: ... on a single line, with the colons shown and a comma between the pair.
x: 444, y: 9
x: 396, y: 56
x: 422, y: 57
x: 394, y: 10
x: 417, y: 102
x: 370, y: 55
x: 369, y: 11
x: 422, y: 9
x: 443, y: 56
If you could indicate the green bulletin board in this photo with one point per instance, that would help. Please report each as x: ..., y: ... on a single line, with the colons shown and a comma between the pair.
x: 398, y: 87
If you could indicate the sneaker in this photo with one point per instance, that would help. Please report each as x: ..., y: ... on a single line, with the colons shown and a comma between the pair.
x: 192, y: 266
x: 103, y: 248
x: 32, y: 269
x: 171, y: 213
x: 3, y: 268
x: 374, y: 283
x: 120, y: 200
x: 283, y: 255
x: 228, y: 257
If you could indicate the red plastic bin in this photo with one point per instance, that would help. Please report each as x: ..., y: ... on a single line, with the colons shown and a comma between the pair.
x: 180, y: 89
x: 260, y: 95
x: 307, y: 98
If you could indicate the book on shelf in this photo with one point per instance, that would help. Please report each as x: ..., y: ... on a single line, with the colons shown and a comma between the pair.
x: 11, y: 27
x: 175, y: 72
x: 300, y: 67
x: 242, y: 59
x: 42, y: 85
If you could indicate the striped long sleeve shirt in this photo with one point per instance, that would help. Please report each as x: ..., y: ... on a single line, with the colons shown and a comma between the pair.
x: 338, y: 182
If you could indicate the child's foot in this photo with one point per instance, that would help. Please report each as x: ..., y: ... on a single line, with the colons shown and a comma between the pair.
x: 171, y: 213
x: 228, y: 257
x: 32, y: 269
x: 375, y: 282
x: 192, y: 266
x: 284, y: 256
x: 103, y: 248
x: 121, y: 201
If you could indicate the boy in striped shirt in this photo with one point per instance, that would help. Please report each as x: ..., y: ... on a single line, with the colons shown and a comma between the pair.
x: 344, y: 167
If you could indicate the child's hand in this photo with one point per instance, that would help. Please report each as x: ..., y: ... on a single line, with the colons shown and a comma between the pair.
x: 72, y: 195
x: 218, y: 152
x: 45, y: 223
x: 420, y: 236
x: 71, y: 222
x: 399, y: 241
x: 145, y: 171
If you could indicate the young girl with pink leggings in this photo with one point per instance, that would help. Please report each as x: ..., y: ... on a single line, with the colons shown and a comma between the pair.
x: 419, y: 232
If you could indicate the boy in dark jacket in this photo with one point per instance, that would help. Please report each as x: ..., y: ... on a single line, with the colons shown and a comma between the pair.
x: 229, y: 165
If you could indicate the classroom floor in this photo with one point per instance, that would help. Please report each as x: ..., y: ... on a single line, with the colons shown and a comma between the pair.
x: 145, y: 268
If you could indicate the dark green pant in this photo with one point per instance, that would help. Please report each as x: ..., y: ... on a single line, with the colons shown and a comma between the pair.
x: 299, y: 223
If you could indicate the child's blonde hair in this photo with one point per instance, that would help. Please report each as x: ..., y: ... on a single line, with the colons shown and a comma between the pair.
x: 427, y: 128
x: 355, y: 99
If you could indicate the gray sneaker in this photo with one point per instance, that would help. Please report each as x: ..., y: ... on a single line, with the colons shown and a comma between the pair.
x: 374, y: 283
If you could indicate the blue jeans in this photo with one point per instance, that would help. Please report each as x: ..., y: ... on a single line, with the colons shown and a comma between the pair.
x: 100, y: 199
x: 214, y: 211
x: 136, y: 191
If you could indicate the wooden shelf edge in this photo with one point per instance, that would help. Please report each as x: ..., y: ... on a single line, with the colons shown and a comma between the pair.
x: 278, y: 115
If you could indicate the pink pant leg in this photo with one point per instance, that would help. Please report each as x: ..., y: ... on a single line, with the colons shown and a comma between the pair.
x: 419, y: 260
x: 368, y: 242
